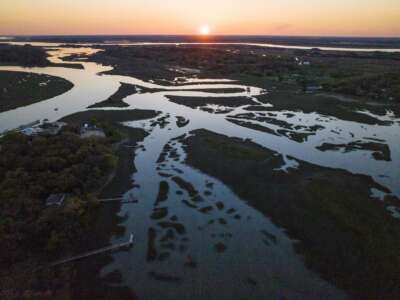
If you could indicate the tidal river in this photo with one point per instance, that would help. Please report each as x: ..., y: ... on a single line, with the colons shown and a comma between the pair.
x: 225, y: 253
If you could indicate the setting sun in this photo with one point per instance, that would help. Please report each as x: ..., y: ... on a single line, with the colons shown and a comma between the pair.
x: 201, y: 149
x: 204, y: 30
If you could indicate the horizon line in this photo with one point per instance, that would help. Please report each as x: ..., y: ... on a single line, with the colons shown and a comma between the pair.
x: 198, y: 35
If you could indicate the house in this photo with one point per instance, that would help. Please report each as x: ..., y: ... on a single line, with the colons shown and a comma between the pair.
x: 55, y: 199
x: 315, y: 51
x: 51, y: 128
x: 31, y: 131
x: 91, y: 131
x: 304, y: 63
x: 45, y: 128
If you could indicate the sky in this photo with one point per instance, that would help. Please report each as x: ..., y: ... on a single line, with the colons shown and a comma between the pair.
x: 255, y: 17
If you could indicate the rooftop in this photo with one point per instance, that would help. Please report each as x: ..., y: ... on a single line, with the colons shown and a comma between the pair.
x: 89, y: 131
x: 55, y: 199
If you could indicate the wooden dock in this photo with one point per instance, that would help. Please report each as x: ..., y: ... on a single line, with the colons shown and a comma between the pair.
x: 110, y: 199
x: 118, y: 199
x: 98, y: 251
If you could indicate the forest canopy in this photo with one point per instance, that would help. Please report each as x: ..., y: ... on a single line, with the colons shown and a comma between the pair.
x: 32, y: 168
x: 27, y: 55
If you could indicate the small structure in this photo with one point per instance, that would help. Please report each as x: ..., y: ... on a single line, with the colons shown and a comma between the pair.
x: 55, y: 199
x: 313, y: 88
x: 31, y: 131
x: 44, y: 128
x: 91, y: 131
x: 304, y: 63
x: 128, y: 245
x: 31, y: 124
x: 51, y: 128
x: 315, y: 51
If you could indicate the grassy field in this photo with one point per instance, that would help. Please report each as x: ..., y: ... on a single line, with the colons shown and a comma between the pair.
x: 348, y: 81
x: 109, y: 116
x: 195, y: 102
x: 289, y: 96
x: 115, y: 100
x: 345, y: 235
x: 21, y: 89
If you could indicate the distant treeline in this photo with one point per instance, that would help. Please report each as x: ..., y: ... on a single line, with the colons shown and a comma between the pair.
x: 356, y: 42
x: 370, y: 75
x: 381, y: 86
x: 26, y: 55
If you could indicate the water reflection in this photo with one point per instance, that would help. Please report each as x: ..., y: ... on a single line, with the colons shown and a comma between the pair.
x: 268, y: 45
x: 201, y: 237
x: 190, y: 229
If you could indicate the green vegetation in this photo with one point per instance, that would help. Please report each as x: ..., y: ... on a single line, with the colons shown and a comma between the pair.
x: 379, y: 151
x: 377, y: 86
x: 20, y: 89
x: 106, y: 220
x: 288, y: 96
x: 345, y: 235
x: 124, y: 138
x: 109, y: 116
x: 26, y: 56
x: 33, y: 234
x: 369, y: 80
x: 366, y: 75
x: 33, y: 168
x: 115, y: 100
x: 202, y: 102
x: 126, y: 89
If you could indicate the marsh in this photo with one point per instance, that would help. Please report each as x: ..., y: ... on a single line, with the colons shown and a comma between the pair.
x: 248, y: 186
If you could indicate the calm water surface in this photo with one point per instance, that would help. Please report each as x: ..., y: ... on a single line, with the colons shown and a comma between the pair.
x: 267, y: 45
x: 238, y: 252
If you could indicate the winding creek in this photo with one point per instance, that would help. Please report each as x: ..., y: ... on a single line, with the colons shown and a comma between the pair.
x: 254, y: 249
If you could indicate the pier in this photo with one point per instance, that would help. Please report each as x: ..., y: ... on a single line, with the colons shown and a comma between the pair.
x: 118, y: 199
x: 95, y: 252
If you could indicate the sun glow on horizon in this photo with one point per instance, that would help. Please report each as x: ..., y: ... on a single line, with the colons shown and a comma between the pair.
x: 204, y: 30
x: 202, y: 18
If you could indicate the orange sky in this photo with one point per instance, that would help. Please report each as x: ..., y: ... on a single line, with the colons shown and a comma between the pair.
x: 270, y: 17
